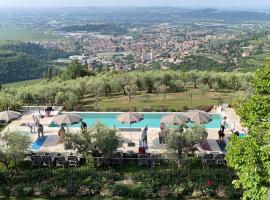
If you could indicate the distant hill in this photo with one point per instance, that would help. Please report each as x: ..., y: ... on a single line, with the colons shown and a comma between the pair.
x: 25, y: 61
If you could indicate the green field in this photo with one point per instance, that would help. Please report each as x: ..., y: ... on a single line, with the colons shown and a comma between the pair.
x: 173, y: 101
x: 25, y: 35
x: 22, y: 83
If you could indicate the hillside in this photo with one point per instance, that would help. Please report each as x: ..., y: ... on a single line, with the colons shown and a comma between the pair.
x: 25, y: 61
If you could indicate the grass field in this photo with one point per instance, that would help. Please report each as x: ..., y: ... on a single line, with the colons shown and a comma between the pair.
x: 22, y: 83
x: 173, y: 101
x: 19, y: 34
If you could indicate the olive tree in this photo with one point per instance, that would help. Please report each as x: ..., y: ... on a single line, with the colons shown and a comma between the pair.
x: 99, y: 137
x: 13, y: 147
x: 177, y: 140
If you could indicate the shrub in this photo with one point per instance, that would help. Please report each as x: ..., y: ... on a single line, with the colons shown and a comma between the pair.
x: 45, y: 189
x: 94, y: 188
x: 205, y: 108
x: 72, y: 188
x: 5, y: 191
x: 22, y: 190
x: 178, y: 190
x: 120, y: 190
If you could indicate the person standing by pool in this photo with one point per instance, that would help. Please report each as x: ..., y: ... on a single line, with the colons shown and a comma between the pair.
x: 83, y: 125
x: 144, y: 136
x: 223, y: 124
x: 40, y: 131
x: 60, y: 133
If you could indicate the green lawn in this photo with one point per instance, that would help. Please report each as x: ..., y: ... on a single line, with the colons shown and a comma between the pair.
x: 22, y: 83
x: 173, y: 101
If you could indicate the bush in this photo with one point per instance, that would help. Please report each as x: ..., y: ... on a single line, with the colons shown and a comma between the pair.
x: 5, y: 191
x: 22, y: 190
x: 72, y: 188
x: 205, y: 108
x: 45, y: 189
x: 178, y: 190
x: 120, y: 190
x: 94, y: 188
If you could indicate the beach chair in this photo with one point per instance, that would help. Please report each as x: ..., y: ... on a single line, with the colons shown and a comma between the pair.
x: 73, y: 161
x: 208, y: 159
x: 60, y: 161
x: 47, y: 161
x: 155, y: 159
x: 36, y: 161
x: 220, y: 159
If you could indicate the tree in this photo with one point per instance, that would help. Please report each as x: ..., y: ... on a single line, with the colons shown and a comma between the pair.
x: 49, y: 74
x: 163, y: 89
x: 131, y: 89
x: 75, y: 70
x: 204, y: 89
x: 99, y: 137
x: 14, y: 146
x: 149, y: 83
x: 178, y: 140
x: 250, y: 156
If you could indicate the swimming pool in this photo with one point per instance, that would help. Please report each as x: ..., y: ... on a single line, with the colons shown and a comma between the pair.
x: 150, y: 119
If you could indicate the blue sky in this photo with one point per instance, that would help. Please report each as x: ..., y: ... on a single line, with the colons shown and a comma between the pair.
x: 129, y: 3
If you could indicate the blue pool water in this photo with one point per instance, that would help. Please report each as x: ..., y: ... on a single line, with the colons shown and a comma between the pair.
x: 150, y: 119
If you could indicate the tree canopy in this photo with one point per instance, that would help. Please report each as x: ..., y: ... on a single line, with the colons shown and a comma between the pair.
x: 250, y: 156
x: 99, y: 137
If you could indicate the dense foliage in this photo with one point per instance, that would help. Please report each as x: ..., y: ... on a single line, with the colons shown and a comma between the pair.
x: 200, y: 63
x: 25, y: 61
x: 179, y: 140
x: 250, y: 156
x: 158, y: 183
x: 13, y: 147
x: 99, y: 138
x: 71, y: 92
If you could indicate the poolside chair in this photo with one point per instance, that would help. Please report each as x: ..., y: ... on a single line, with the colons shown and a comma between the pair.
x: 155, y: 159
x: 208, y: 159
x: 143, y: 160
x: 73, y: 161
x: 220, y: 159
x: 36, y: 161
x: 60, y: 161
x: 47, y: 161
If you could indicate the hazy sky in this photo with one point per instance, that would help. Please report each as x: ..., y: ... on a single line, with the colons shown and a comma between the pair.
x: 129, y: 3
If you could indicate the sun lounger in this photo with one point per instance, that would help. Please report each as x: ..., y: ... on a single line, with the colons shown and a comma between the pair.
x: 208, y: 159
x: 155, y: 159
x: 36, y: 161
x: 61, y: 161
x: 73, y: 161
x: 220, y: 159
x: 47, y: 161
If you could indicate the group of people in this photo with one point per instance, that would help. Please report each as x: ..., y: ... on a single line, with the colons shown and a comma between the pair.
x: 62, y: 130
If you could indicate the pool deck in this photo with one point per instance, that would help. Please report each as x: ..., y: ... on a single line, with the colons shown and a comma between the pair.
x: 52, y: 143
